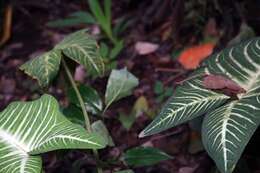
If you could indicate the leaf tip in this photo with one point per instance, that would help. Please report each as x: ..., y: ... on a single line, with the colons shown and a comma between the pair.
x: 142, y: 134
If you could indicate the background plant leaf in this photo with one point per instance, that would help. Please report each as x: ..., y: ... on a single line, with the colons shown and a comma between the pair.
x: 76, y: 18
x: 120, y: 84
x: 144, y: 156
x: 100, y: 128
x: 90, y: 97
x: 43, y: 68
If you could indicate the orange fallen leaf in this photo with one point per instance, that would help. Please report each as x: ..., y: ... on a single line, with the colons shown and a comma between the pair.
x: 191, y: 57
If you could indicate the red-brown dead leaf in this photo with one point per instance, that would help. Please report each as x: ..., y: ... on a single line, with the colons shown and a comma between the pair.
x: 221, y: 82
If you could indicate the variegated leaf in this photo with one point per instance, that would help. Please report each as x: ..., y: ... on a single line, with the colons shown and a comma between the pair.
x: 227, y: 130
x: 188, y: 101
x: 240, y: 63
x: 31, y: 128
x: 83, y: 49
x: 43, y: 68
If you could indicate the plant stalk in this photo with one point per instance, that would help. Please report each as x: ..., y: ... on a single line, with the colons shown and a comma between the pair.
x: 83, y: 108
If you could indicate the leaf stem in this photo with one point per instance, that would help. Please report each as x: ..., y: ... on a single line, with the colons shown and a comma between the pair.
x: 81, y: 102
x: 83, y: 108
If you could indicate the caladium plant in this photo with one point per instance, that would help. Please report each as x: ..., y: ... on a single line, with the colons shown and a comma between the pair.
x: 229, y: 123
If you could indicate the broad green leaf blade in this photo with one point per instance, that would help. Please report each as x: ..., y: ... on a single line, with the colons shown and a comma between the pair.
x: 74, y: 114
x: 29, y: 128
x: 125, y: 171
x: 240, y: 63
x: 15, y: 161
x: 90, y: 97
x: 83, y: 49
x: 188, y: 101
x: 144, y: 156
x: 74, y: 19
x: 43, y: 68
x: 100, y: 128
x: 120, y: 84
x: 227, y: 130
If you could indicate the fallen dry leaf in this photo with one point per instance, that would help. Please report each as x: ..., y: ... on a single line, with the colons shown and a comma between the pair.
x: 191, y: 57
x: 80, y: 73
x: 144, y: 48
x: 221, y: 82
x: 187, y: 169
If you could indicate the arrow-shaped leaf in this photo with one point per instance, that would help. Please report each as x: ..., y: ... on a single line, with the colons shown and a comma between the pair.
x: 188, y: 101
x: 43, y: 68
x: 83, y: 49
x: 31, y: 128
x: 227, y: 130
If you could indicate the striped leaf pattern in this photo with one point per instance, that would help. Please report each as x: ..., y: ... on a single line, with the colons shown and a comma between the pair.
x: 227, y: 129
x: 83, y: 49
x: 189, y: 101
x: 31, y: 128
x: 43, y: 68
x: 78, y: 46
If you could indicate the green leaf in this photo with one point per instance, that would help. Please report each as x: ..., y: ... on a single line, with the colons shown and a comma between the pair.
x: 158, y: 87
x: 116, y: 49
x: 74, y: 114
x: 144, y: 156
x: 83, y: 49
x: 100, y: 128
x: 127, y: 120
x: 90, y: 97
x: 125, y: 171
x: 120, y: 84
x: 78, y: 46
x: 77, y: 18
x: 227, y: 130
x: 240, y: 63
x: 104, y: 50
x: 107, y: 9
x: 140, y: 106
x: 188, y: 101
x: 96, y: 10
x: 31, y: 128
x: 235, y: 122
x: 43, y: 68
x: 88, y: 18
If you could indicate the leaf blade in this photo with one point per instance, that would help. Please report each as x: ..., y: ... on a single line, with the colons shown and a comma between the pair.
x: 227, y: 130
x: 29, y: 128
x: 144, y: 156
x: 120, y: 84
x: 82, y: 48
x: 189, y: 101
x: 43, y: 68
